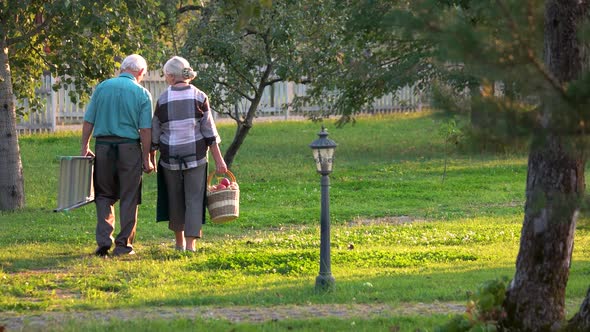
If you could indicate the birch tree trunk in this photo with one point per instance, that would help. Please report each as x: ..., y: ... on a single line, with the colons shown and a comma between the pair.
x: 11, y: 177
x: 535, y: 299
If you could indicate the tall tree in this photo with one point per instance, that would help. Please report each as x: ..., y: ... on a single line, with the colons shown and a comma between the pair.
x: 81, y: 41
x: 239, y: 58
x: 533, y: 48
x: 555, y: 182
x: 345, y: 64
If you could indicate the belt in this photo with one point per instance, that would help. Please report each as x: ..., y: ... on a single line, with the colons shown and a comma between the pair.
x: 181, y: 159
x: 113, y: 153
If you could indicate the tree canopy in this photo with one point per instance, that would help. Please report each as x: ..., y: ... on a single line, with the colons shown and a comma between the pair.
x: 366, y: 55
x: 79, y: 41
x: 238, y: 59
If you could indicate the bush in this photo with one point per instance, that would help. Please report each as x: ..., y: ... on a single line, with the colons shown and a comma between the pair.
x: 483, y: 310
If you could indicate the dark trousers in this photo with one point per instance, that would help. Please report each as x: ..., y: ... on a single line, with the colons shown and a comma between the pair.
x: 117, y: 176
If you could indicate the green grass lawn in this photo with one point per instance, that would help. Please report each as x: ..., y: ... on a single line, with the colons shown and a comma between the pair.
x: 400, y: 234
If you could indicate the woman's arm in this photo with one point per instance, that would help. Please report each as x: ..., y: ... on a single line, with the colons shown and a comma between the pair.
x: 220, y: 166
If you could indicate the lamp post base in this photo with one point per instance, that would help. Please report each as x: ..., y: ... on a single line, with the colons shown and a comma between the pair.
x: 324, y: 283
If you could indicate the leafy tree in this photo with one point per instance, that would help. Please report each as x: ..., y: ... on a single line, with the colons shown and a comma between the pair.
x: 81, y: 41
x: 397, y: 43
x: 366, y: 56
x: 344, y: 63
x: 238, y: 60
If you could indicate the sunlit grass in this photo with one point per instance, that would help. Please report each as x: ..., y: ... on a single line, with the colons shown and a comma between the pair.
x: 400, y: 232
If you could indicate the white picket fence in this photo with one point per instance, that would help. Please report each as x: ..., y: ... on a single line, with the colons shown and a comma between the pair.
x: 276, y: 101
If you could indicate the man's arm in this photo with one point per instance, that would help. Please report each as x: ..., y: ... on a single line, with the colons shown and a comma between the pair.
x: 145, y: 135
x: 87, y: 129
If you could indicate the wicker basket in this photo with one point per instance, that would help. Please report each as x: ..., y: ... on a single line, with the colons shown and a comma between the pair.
x: 224, y: 204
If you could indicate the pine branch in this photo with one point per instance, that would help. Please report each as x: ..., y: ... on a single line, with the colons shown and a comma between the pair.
x: 530, y: 54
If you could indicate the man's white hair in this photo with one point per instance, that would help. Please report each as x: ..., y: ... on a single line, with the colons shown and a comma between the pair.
x: 134, y: 62
x: 179, y: 68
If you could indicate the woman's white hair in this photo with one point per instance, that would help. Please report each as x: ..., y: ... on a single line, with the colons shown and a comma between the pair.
x: 179, y: 68
x: 134, y: 62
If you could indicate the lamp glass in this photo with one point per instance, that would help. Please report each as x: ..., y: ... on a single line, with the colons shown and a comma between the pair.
x: 323, y: 159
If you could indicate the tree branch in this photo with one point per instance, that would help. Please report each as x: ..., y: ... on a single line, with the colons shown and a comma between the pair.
x: 250, y: 31
x: 229, y: 86
x: 530, y: 54
x: 304, y: 81
x: 28, y: 35
x: 273, y: 81
x: 269, y: 62
x: 43, y: 58
x: 237, y: 71
x: 182, y: 10
x: 267, y: 50
x: 188, y: 8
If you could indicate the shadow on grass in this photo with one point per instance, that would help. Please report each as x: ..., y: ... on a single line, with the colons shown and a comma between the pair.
x: 44, y: 263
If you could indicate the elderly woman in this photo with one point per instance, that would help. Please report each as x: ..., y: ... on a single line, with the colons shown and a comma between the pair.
x: 183, y: 131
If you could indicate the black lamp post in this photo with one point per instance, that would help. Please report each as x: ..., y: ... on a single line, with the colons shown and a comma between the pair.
x: 323, y: 153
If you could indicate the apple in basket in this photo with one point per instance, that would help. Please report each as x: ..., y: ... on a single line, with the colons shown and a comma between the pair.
x: 225, y: 182
x: 221, y: 186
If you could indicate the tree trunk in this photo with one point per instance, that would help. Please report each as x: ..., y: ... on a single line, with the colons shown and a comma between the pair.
x: 245, y: 125
x: 242, y: 131
x: 477, y: 115
x: 232, y: 150
x: 535, y: 299
x: 11, y: 171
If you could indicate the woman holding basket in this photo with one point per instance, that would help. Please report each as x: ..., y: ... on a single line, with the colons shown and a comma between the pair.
x: 183, y: 131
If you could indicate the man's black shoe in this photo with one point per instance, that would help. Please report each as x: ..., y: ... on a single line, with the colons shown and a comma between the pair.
x: 102, y: 251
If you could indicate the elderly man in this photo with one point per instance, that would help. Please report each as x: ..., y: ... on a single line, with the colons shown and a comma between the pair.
x: 119, y: 118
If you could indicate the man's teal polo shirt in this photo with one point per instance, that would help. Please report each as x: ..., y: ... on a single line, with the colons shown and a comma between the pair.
x: 119, y: 107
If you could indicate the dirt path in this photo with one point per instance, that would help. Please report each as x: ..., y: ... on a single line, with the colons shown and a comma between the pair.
x: 13, y: 322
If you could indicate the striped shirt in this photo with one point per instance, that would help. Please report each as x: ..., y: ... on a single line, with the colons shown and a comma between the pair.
x: 183, y: 128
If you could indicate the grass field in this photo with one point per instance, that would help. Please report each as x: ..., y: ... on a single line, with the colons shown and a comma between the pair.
x: 400, y: 234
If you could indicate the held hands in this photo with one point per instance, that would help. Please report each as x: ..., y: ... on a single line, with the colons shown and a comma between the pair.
x: 153, y: 161
x: 148, y: 167
x: 149, y: 164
